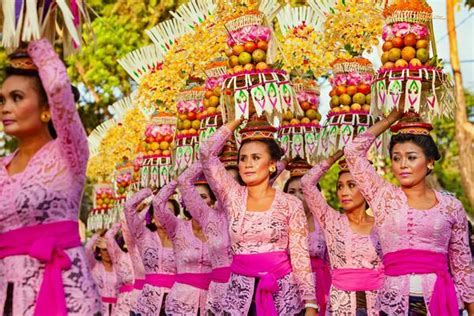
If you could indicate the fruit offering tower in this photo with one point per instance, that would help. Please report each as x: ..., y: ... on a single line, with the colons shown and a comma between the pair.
x: 102, y: 203
x: 156, y: 162
x: 410, y: 75
x: 299, y: 134
x: 350, y: 105
x: 211, y: 117
x: 252, y: 86
x: 190, y: 106
x: 122, y: 181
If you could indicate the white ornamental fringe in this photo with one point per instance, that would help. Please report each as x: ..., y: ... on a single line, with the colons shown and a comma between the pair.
x: 155, y: 172
x: 339, y: 130
x: 186, y: 152
x: 427, y: 91
x: 300, y: 141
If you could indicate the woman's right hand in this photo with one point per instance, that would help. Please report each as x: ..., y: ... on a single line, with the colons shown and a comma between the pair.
x: 335, y: 157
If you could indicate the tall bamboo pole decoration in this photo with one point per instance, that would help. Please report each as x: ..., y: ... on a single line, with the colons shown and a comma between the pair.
x: 464, y: 129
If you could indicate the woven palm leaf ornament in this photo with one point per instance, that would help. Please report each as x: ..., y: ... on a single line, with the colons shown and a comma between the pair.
x: 27, y: 20
x: 165, y: 34
x: 252, y: 86
x: 411, y: 75
x: 141, y: 61
x: 195, y: 12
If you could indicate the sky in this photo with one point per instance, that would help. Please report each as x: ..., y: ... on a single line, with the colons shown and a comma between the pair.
x: 464, y: 20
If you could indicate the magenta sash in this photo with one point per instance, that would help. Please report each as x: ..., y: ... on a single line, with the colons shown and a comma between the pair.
x: 139, y: 283
x: 323, y: 282
x: 197, y: 280
x: 47, y: 243
x: 269, y: 267
x: 126, y: 288
x: 357, y: 279
x: 444, y: 299
x: 160, y: 280
x: 110, y: 300
x: 220, y: 275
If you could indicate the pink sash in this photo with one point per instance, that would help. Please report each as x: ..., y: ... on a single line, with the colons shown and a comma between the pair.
x: 139, y: 283
x: 444, y: 299
x: 269, y: 267
x: 126, y: 288
x: 197, y: 280
x: 323, y: 282
x: 47, y: 243
x: 358, y: 279
x: 220, y: 275
x: 110, y: 300
x: 160, y: 280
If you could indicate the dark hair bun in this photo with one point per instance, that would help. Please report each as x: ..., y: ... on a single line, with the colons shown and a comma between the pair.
x: 76, y: 93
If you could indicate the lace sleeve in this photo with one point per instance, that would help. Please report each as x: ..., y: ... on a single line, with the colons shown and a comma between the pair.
x: 112, y: 247
x: 459, y: 254
x: 89, y: 249
x: 191, y: 198
x: 298, y: 248
x: 314, y: 198
x: 369, y: 182
x: 134, y: 218
x: 66, y: 120
x: 162, y: 214
x: 220, y: 181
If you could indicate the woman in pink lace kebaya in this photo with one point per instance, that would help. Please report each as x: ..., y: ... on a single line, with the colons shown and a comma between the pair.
x: 317, y: 243
x: 352, y: 243
x: 124, y: 273
x: 103, y: 272
x: 43, y: 266
x: 271, y: 271
x: 193, y: 266
x: 423, y: 232
x: 157, y: 257
x: 199, y: 199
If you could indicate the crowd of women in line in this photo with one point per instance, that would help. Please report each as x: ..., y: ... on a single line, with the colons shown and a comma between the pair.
x: 243, y: 247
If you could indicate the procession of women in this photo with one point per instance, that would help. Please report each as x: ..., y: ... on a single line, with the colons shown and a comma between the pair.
x: 207, y: 183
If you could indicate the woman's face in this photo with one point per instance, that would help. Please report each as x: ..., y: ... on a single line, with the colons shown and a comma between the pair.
x: 104, y: 254
x: 294, y: 188
x: 205, y: 194
x: 348, y: 194
x: 254, y: 163
x: 409, y: 164
x: 20, y: 106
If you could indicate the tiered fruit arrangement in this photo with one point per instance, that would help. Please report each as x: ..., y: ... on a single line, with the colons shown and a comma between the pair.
x: 252, y: 85
x: 103, y: 197
x: 158, y: 137
x: 190, y: 107
x: 299, y: 134
x: 351, y: 86
x: 307, y: 92
x: 211, y: 117
x: 123, y: 179
x: 406, y: 44
x: 409, y: 76
x: 102, y: 202
x: 251, y: 54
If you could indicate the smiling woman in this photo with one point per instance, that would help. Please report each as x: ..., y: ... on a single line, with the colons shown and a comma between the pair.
x: 423, y: 232
x: 268, y: 229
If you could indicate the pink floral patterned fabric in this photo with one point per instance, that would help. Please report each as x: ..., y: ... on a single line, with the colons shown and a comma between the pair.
x: 282, y: 228
x: 192, y: 256
x: 48, y: 190
x: 215, y: 227
x: 346, y: 249
x: 123, y: 270
x: 443, y: 229
x: 155, y: 258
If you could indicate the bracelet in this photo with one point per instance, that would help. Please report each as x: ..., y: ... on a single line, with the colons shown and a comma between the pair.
x: 312, y: 305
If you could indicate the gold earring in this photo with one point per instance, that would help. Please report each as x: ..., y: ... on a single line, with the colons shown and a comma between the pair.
x: 272, y: 169
x: 45, y: 117
x: 430, y: 166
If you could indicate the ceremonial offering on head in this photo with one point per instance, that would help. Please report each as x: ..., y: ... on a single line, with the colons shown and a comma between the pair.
x: 101, y: 216
x: 411, y: 74
x: 211, y: 117
x: 252, y: 85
